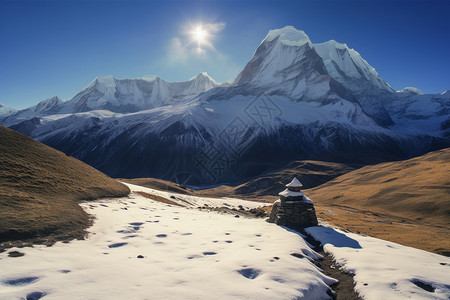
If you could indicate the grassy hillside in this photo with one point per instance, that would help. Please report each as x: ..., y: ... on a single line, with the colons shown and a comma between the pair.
x: 263, y: 188
x: 40, y: 188
x: 405, y: 201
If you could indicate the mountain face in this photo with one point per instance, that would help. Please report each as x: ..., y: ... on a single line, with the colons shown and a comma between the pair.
x: 293, y: 100
x: 131, y: 95
x: 6, y: 111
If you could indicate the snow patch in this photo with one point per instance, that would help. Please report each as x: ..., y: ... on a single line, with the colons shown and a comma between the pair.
x: 386, y: 270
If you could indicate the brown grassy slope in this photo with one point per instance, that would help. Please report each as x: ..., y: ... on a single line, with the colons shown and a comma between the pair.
x: 40, y: 188
x: 405, y: 201
x: 263, y: 188
x: 310, y: 173
x: 159, y: 184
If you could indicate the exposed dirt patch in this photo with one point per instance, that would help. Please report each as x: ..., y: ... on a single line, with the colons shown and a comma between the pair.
x: 159, y: 199
x: 345, y: 288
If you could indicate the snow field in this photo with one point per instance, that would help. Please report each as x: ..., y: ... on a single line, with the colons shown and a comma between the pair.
x: 186, y: 254
x: 386, y: 270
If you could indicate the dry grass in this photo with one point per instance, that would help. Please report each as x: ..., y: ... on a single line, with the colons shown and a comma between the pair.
x: 267, y: 186
x: 159, y: 199
x: 406, y: 201
x: 264, y: 188
x: 40, y: 188
x: 159, y: 184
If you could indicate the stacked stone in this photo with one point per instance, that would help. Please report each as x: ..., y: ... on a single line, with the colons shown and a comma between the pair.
x: 294, y: 210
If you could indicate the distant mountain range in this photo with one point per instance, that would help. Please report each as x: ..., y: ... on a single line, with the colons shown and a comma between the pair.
x: 293, y: 100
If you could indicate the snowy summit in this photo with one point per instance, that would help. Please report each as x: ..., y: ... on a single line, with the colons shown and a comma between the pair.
x: 411, y: 90
x: 289, y: 36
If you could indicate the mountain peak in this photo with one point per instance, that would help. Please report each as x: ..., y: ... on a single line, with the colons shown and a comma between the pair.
x: 48, y: 104
x: 335, y: 44
x: 107, y: 80
x: 289, y: 36
x: 201, y: 75
x: 204, y: 76
x: 411, y: 90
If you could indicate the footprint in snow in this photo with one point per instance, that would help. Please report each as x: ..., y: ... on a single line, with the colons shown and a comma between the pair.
x: 249, y: 273
x: 229, y: 242
x: 104, y: 205
x: 130, y: 236
x: 117, y: 245
x: 64, y: 271
x: 298, y: 255
x: 35, y: 295
x: 136, y: 223
x: 187, y: 233
x: 161, y: 235
x: 209, y: 253
x: 124, y: 231
x: 21, y: 281
x: 193, y: 256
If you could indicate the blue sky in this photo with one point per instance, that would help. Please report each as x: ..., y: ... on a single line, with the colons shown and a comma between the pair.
x: 51, y: 48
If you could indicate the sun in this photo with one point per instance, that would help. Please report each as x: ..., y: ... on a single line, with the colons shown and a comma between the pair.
x: 199, y: 34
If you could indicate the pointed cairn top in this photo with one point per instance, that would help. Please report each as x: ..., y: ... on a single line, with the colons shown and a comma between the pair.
x: 295, y: 185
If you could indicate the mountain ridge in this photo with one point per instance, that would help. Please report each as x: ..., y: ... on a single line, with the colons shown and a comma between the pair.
x: 288, y: 103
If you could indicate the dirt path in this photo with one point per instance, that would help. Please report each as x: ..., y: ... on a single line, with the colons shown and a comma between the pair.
x: 345, y: 289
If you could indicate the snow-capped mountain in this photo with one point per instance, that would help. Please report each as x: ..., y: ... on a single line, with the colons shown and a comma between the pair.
x: 293, y: 100
x: 346, y: 66
x: 49, y: 105
x: 130, y: 95
x: 6, y: 111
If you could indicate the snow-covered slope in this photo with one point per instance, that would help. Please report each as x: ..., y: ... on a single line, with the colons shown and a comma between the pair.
x: 142, y: 249
x: 386, y: 270
x: 348, y: 67
x: 138, y: 248
x: 49, y: 105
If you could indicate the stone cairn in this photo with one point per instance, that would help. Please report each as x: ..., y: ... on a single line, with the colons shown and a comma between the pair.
x: 293, y: 210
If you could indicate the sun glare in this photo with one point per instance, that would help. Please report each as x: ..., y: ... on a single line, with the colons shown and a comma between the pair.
x: 199, y: 34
